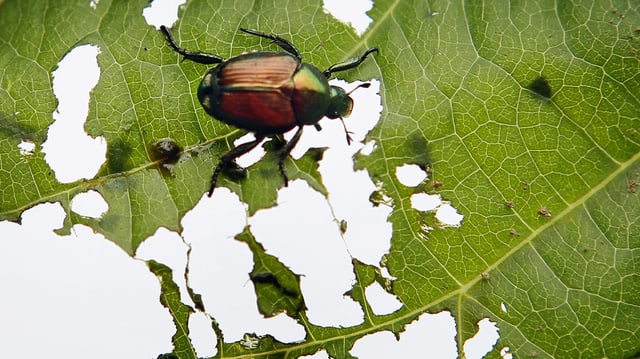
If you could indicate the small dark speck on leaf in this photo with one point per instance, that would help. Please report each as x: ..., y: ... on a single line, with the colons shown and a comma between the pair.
x: 544, y: 212
x: 541, y: 87
x: 166, y: 150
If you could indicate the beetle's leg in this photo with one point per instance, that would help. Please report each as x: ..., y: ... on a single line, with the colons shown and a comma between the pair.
x: 230, y: 156
x: 199, y: 57
x: 285, y: 153
x: 283, y: 43
x: 342, y: 66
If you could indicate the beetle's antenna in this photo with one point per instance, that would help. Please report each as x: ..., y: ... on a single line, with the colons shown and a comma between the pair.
x: 363, y: 85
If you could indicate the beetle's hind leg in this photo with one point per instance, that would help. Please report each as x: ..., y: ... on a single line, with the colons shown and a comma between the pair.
x: 229, y: 157
x: 199, y: 57
x: 283, y: 43
x: 285, y: 153
x: 342, y: 66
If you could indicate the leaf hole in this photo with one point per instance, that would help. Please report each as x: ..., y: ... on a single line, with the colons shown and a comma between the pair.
x: 410, y: 175
x: 483, y: 341
x: 353, y: 12
x: 89, y: 204
x: 69, y: 150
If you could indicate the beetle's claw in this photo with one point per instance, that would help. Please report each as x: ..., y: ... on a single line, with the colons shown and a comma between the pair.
x: 346, y: 132
x: 349, y: 139
x: 214, y: 180
x: 213, y: 187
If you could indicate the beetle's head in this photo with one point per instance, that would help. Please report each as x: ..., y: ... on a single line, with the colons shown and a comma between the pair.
x: 341, y: 105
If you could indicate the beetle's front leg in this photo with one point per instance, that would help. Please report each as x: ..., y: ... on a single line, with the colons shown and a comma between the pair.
x: 285, y: 153
x: 229, y: 157
x: 199, y: 57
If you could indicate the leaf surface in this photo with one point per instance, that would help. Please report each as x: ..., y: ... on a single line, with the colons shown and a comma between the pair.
x: 526, y: 115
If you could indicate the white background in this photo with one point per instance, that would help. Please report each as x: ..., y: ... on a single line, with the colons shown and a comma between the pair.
x: 81, y: 296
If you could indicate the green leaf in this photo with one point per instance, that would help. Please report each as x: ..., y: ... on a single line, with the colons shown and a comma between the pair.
x: 170, y: 298
x: 526, y: 115
x: 277, y: 288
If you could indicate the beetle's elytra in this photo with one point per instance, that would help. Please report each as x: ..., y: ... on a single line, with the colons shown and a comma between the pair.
x: 268, y: 93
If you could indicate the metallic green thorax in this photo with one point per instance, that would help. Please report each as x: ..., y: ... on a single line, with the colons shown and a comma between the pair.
x: 311, y: 96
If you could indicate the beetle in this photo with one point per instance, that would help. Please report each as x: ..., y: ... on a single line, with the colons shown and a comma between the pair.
x: 269, y: 93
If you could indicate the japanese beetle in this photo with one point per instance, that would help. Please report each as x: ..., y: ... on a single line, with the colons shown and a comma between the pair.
x: 269, y: 93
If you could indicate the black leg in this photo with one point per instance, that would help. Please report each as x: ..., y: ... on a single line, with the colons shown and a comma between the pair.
x: 283, y: 43
x: 285, y: 153
x: 229, y: 157
x: 342, y: 66
x: 199, y: 57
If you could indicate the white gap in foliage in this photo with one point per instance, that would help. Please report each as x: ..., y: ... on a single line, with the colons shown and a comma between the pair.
x: 67, y: 142
x: 352, y: 12
x: 220, y: 266
x: 162, y: 12
x: 448, y: 215
x: 300, y: 231
x: 89, y: 204
x: 321, y: 354
x: 410, y: 175
x: 202, y: 336
x: 381, y: 302
x: 168, y: 248
x: 72, y: 294
x: 505, y: 353
x: 430, y: 336
x: 483, y: 341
